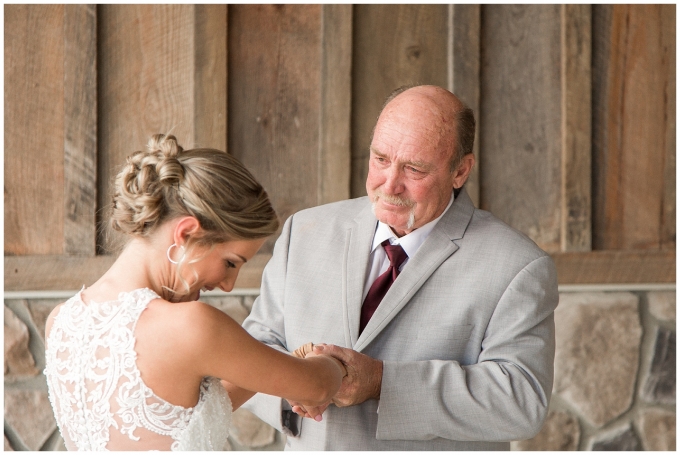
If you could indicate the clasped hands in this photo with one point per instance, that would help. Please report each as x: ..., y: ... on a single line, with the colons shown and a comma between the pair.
x: 362, y: 382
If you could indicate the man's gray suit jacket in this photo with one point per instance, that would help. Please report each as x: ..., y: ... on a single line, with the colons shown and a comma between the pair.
x: 465, y: 333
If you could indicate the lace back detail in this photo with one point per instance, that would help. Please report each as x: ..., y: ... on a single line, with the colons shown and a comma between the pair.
x: 98, y: 396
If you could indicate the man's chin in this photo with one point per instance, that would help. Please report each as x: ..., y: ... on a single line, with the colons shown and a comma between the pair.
x: 397, y: 222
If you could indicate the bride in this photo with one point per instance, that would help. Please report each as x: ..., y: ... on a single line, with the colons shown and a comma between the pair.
x: 133, y: 361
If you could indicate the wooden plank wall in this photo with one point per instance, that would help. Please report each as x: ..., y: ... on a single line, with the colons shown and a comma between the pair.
x: 575, y: 108
x: 536, y: 132
x: 34, y: 129
x: 274, y: 55
x: 521, y: 125
x: 634, y: 127
x: 80, y: 129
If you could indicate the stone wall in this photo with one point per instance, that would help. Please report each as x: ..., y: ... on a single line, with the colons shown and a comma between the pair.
x: 614, y: 383
x: 614, y: 376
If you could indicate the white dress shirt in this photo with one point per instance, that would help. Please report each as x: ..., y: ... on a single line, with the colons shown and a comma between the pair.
x: 378, y: 262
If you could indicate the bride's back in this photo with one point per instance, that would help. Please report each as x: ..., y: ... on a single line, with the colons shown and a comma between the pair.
x: 121, y: 374
x: 101, y: 401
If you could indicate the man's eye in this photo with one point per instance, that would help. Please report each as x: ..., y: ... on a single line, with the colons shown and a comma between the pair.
x: 412, y: 169
x: 230, y: 265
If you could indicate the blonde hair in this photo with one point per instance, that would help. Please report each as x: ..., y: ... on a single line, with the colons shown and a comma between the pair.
x: 167, y: 182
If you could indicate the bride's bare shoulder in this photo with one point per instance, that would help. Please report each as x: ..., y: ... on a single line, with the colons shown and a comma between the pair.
x: 187, y: 321
x: 180, y: 335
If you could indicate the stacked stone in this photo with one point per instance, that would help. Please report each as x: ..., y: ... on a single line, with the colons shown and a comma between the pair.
x: 29, y: 422
x: 614, y: 385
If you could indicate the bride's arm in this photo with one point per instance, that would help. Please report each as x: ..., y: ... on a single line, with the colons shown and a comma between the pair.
x: 220, y: 347
x: 237, y: 395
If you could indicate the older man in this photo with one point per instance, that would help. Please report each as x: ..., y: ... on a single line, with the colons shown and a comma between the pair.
x: 442, y: 313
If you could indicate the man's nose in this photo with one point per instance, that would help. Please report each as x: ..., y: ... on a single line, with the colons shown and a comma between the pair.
x: 393, y: 181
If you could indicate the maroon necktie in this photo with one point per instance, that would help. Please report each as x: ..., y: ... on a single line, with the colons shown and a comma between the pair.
x: 396, y: 255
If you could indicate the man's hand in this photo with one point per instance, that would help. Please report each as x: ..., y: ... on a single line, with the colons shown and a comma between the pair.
x: 363, y: 381
x: 364, y: 375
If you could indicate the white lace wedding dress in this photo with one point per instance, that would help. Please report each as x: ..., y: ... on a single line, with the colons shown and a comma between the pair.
x: 98, y: 396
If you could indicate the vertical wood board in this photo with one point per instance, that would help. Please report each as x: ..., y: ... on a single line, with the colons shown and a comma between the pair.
x: 668, y: 59
x: 576, y: 232
x: 146, y: 83
x: 80, y: 129
x: 34, y: 129
x: 210, y: 113
x: 336, y: 96
x: 464, y: 65
x: 601, y: 49
x: 274, y: 100
x: 521, y: 116
x: 394, y: 45
x: 632, y: 57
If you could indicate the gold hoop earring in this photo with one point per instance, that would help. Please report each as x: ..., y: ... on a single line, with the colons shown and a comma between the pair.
x: 168, y: 253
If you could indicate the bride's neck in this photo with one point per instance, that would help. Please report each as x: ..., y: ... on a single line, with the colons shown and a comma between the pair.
x: 139, y: 265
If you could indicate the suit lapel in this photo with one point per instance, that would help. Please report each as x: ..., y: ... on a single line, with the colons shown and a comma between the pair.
x: 432, y: 253
x: 358, y: 241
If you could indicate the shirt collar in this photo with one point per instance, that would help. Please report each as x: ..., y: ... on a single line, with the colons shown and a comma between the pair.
x: 411, y: 241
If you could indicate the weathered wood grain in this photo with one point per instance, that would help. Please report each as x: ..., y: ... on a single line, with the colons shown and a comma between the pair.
x: 576, y: 233
x: 394, y: 45
x: 633, y: 126
x: 336, y: 96
x: 36, y: 273
x: 668, y: 60
x: 58, y: 272
x: 146, y: 82
x: 615, y: 267
x: 210, y: 81
x: 464, y: 64
x: 520, y: 138
x: 34, y: 129
x: 275, y: 99
x: 80, y: 129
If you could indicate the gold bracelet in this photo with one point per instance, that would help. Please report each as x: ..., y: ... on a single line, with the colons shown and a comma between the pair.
x: 303, y: 350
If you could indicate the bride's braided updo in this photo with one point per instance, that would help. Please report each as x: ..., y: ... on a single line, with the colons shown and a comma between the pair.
x: 166, y: 182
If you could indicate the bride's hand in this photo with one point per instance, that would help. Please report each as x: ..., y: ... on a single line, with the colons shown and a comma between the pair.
x: 313, y: 412
x: 310, y: 412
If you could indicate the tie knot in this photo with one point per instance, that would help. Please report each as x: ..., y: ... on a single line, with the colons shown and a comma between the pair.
x: 395, y: 253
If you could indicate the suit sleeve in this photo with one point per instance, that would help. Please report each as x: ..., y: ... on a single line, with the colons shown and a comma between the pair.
x: 265, y: 323
x: 504, y: 396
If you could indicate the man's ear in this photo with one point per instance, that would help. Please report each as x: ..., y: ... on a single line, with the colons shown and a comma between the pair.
x: 185, y: 228
x: 461, y: 174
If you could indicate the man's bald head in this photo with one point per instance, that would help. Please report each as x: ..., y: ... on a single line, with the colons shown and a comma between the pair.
x: 440, y: 108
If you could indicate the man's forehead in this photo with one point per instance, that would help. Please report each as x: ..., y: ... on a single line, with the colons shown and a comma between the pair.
x: 417, y: 115
x: 416, y: 130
